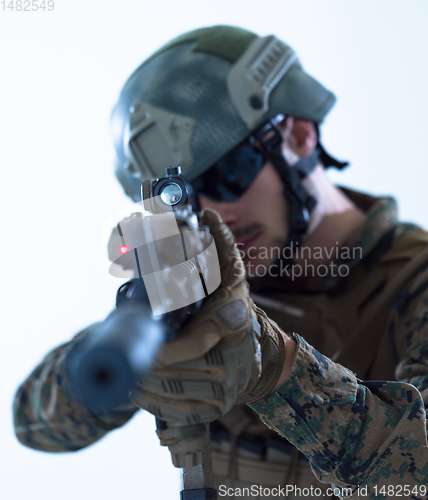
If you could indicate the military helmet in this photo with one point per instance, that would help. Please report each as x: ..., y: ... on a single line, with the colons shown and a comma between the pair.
x: 201, y: 95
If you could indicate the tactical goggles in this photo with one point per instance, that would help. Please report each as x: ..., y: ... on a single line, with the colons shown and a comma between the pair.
x: 229, y: 178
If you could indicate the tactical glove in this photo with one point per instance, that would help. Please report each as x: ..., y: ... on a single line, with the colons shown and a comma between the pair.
x: 230, y: 352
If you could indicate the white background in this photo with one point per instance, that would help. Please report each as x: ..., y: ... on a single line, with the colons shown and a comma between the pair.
x: 60, y: 75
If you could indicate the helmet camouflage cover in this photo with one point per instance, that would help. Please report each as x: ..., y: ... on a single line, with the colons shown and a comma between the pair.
x: 202, y: 94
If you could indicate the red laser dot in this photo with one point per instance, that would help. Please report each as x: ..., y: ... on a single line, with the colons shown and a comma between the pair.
x: 124, y: 249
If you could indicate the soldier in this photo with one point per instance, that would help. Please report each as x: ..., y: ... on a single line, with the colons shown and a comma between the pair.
x: 313, y: 376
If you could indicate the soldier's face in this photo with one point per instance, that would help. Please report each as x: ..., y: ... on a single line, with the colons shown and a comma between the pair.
x: 258, y: 219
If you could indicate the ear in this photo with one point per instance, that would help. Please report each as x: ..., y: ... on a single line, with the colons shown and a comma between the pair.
x: 300, y: 135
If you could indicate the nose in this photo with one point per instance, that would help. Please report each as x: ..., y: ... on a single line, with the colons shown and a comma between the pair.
x: 227, y: 211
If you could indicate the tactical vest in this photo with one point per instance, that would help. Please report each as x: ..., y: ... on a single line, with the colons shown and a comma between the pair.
x: 348, y: 323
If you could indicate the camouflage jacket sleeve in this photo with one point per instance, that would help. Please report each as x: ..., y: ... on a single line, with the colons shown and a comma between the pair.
x: 48, y: 417
x: 356, y: 434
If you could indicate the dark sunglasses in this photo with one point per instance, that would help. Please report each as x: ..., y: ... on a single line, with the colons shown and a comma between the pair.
x: 230, y: 177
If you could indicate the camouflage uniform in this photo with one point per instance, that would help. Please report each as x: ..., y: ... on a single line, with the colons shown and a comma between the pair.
x: 354, y: 432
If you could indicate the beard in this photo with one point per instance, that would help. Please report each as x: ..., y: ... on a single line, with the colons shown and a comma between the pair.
x: 260, y: 260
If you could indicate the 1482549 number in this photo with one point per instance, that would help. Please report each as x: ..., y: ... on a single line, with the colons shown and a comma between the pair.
x: 27, y: 5
x: 401, y: 490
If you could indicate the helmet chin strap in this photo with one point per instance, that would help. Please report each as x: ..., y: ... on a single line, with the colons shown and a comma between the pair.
x: 300, y: 202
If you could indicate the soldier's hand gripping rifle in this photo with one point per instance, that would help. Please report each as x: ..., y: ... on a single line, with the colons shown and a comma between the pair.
x: 169, y: 258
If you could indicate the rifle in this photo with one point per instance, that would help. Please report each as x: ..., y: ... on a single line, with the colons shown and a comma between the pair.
x: 102, y: 368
